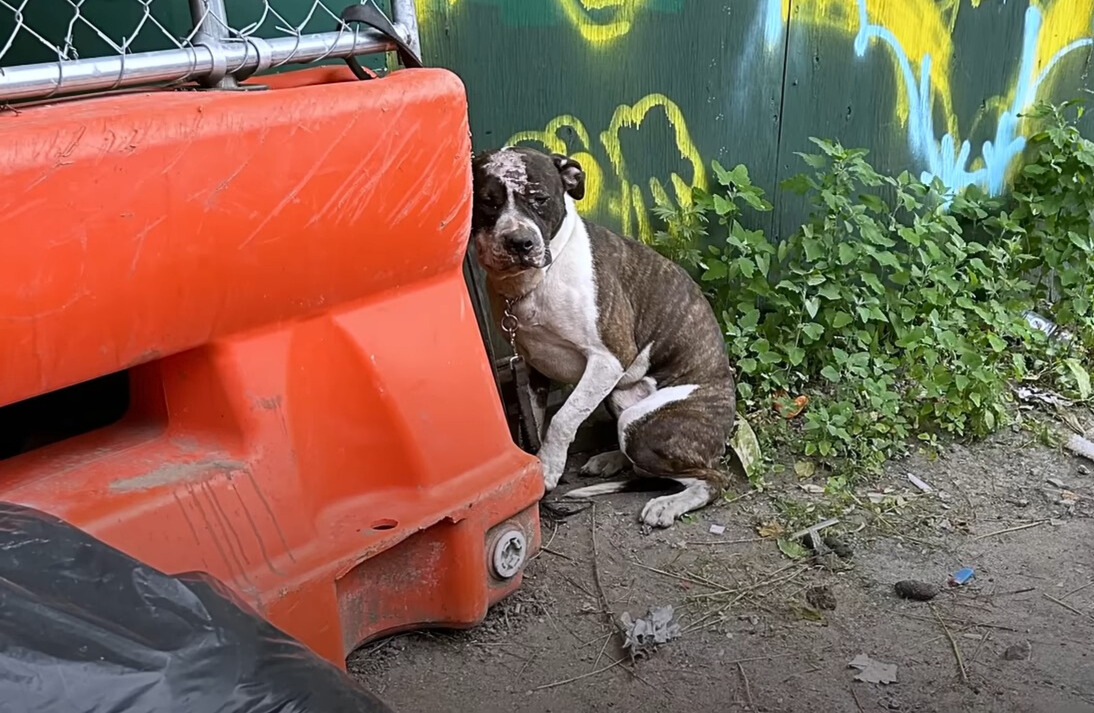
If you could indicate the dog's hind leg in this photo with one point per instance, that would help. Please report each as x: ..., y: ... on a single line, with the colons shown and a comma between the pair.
x: 679, y: 433
x: 698, y: 492
x: 606, y: 464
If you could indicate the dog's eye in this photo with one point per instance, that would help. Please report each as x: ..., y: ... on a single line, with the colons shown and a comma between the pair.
x: 490, y: 201
x: 538, y: 200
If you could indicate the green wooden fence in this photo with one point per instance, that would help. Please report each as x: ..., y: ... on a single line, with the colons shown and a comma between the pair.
x: 648, y: 92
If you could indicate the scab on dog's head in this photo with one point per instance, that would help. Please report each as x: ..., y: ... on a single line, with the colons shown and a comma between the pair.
x: 519, y: 205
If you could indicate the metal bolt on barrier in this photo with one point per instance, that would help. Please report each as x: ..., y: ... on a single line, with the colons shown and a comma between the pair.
x: 510, y: 551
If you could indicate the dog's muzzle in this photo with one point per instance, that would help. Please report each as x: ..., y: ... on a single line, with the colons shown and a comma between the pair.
x: 526, y: 248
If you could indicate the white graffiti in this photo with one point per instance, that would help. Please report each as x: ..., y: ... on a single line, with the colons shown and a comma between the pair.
x: 944, y: 158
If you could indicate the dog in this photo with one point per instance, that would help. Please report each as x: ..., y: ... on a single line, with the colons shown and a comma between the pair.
x: 612, y: 317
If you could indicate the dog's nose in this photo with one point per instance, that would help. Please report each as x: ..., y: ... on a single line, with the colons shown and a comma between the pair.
x: 520, y: 244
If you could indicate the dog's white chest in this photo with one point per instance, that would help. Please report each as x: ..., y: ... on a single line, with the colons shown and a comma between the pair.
x: 558, y: 321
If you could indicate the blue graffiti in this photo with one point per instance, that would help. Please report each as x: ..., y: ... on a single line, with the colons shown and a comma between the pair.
x: 945, y: 159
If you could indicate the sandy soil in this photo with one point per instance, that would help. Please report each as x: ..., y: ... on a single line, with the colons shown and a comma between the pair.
x: 755, y: 633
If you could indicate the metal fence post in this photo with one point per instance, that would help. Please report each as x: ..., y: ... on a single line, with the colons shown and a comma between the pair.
x: 210, y: 31
x: 405, y: 16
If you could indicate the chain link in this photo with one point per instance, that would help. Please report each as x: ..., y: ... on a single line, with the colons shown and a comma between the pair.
x: 42, y: 32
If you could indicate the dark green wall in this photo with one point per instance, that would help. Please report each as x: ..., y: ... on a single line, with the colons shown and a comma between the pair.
x: 754, y: 79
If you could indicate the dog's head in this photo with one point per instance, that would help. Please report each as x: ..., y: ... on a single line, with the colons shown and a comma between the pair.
x: 519, y: 205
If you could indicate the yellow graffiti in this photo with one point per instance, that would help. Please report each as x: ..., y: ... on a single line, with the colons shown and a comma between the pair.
x: 551, y: 140
x: 911, y: 30
x: 1065, y: 21
x: 922, y: 27
x: 625, y: 198
x: 621, y: 14
x: 429, y: 10
x: 632, y: 205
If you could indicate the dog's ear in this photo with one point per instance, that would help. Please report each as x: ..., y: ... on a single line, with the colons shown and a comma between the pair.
x: 573, y: 178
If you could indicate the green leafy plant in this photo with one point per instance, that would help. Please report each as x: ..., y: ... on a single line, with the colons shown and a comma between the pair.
x: 899, y: 307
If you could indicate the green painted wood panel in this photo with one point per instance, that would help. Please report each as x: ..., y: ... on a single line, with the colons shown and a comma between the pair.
x: 911, y: 80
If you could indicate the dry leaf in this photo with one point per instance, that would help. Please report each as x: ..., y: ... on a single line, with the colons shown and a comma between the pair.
x: 770, y: 529
x: 873, y: 671
x: 805, y: 469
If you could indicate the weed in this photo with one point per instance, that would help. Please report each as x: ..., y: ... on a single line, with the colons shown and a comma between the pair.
x: 899, y: 307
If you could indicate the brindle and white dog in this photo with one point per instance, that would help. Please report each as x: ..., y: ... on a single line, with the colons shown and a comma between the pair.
x: 613, y: 317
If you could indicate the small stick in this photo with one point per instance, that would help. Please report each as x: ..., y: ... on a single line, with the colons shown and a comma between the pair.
x: 983, y: 638
x: 1016, y: 528
x: 953, y: 645
x: 748, y: 688
x: 738, y: 662
x: 600, y: 587
x: 1078, y: 589
x: 855, y: 696
x: 603, y: 648
x: 723, y: 542
x: 682, y: 578
x: 823, y: 525
x: 578, y: 678
x: 1067, y: 606
x: 544, y: 548
x: 579, y: 586
x: 1024, y: 590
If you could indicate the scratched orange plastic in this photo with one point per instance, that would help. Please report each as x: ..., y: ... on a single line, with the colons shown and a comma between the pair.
x: 313, y: 419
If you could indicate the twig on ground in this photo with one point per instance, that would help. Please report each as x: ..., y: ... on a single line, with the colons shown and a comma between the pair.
x: 1067, y: 606
x: 748, y: 688
x: 757, y: 658
x: 1012, y: 592
x: 1078, y: 589
x: 1005, y: 530
x: 953, y: 645
x: 855, y: 696
x: 723, y: 542
x: 683, y: 578
x: 544, y: 548
x: 604, y: 608
x: 552, y: 537
x: 964, y: 624
x: 579, y: 586
x: 742, y: 496
x: 603, y: 648
x: 741, y: 592
x: 578, y: 678
x: 976, y: 653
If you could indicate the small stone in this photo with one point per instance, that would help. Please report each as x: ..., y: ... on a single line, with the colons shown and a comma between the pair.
x: 914, y: 589
x: 1018, y: 652
x: 821, y: 598
x: 841, y: 548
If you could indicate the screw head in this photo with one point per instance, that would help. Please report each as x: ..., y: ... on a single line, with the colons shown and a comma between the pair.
x: 510, y: 551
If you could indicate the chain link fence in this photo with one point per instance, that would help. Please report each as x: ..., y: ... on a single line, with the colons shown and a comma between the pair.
x: 58, y: 47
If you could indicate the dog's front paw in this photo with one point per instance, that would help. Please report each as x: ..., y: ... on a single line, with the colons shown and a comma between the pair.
x: 553, y: 463
x: 662, y: 512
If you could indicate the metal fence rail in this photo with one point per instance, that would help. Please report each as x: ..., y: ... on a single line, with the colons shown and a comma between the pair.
x: 50, y: 48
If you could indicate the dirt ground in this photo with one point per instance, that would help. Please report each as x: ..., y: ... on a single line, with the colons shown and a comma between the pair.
x: 1019, y: 636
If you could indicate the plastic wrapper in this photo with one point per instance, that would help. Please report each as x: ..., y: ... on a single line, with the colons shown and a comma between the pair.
x: 84, y: 628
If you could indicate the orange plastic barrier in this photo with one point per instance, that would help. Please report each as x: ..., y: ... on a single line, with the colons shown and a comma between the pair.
x: 312, y: 416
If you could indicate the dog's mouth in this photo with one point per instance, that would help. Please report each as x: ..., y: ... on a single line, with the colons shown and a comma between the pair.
x: 536, y: 262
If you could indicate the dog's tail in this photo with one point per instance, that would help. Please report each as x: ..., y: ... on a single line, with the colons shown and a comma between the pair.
x: 625, y: 485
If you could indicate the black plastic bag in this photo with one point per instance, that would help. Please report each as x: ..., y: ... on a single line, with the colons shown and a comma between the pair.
x: 85, y: 628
